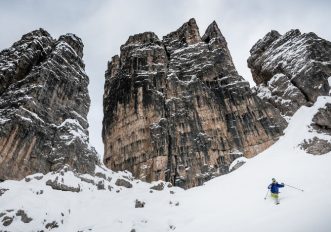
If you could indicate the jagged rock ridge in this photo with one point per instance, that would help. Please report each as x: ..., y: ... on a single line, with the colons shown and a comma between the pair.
x: 291, y: 70
x: 177, y: 110
x: 43, y: 106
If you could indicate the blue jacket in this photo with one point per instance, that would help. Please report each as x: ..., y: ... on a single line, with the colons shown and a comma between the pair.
x: 274, y: 187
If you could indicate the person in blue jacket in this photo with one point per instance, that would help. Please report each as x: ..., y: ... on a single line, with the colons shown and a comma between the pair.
x: 274, y: 189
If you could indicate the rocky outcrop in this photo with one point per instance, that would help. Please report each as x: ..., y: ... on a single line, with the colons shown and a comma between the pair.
x: 322, y: 119
x: 282, y: 94
x: 24, y: 217
x: 123, y: 183
x: 291, y: 70
x: 316, y: 146
x: 176, y: 109
x: 139, y: 204
x: 320, y: 144
x: 43, y: 106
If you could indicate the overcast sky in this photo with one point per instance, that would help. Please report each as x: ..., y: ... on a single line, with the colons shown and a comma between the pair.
x: 104, y: 25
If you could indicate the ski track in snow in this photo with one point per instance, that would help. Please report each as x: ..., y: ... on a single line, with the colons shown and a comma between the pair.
x: 230, y: 203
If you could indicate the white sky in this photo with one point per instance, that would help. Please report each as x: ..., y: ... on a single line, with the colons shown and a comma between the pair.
x: 105, y: 25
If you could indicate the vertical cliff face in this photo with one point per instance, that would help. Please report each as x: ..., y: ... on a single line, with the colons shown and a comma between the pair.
x: 291, y: 70
x: 177, y: 110
x: 43, y: 106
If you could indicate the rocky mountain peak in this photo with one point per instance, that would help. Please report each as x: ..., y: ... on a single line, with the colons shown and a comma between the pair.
x: 33, y: 35
x: 131, y: 50
x: 44, y: 103
x: 263, y: 44
x: 299, y: 62
x: 74, y: 42
x: 141, y: 38
x: 177, y: 110
x: 113, y: 66
x: 19, y: 59
x: 212, y: 32
x: 216, y: 41
x: 187, y: 34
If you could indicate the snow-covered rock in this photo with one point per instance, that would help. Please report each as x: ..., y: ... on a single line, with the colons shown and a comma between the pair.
x: 44, y: 103
x: 280, y: 92
x: 321, y: 125
x: 54, y: 201
x: 293, y: 68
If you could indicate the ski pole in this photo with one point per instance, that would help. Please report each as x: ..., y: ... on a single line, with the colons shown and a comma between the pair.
x: 266, y: 195
x: 294, y: 187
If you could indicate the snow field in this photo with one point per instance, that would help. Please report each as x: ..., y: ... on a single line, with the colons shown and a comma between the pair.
x: 230, y: 203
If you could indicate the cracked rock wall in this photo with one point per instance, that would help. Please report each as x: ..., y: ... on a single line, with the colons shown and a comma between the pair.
x: 291, y: 70
x: 176, y: 109
x: 44, y: 103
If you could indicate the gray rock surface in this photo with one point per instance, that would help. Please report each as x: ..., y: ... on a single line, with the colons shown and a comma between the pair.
x: 44, y: 103
x: 58, y: 185
x: 176, y: 109
x: 320, y: 144
x: 100, y: 185
x: 123, y: 183
x: 24, y: 217
x: 316, y: 146
x: 291, y: 70
x: 322, y: 119
x: 6, y: 221
x: 2, y: 191
x: 52, y: 225
x: 158, y: 187
x: 281, y: 93
x: 139, y: 204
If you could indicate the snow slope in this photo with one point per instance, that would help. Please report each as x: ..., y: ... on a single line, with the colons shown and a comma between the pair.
x: 233, y: 202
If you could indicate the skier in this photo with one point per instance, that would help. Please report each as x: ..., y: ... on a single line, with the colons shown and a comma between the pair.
x: 274, y: 189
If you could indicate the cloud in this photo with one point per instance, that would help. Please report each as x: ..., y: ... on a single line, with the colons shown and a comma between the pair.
x: 105, y: 25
